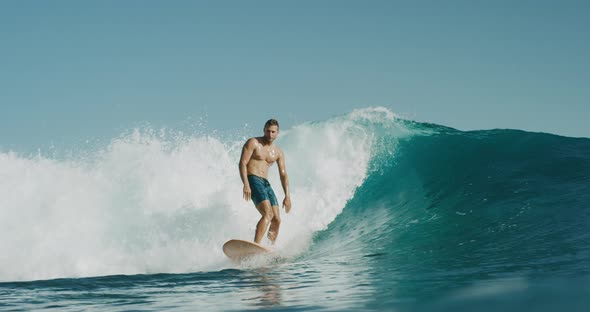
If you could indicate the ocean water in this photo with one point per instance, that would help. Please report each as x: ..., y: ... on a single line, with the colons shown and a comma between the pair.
x: 388, y: 214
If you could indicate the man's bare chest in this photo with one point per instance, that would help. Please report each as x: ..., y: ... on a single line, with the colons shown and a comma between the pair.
x: 268, y: 154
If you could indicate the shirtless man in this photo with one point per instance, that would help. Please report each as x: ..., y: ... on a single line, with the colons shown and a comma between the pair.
x: 258, y: 154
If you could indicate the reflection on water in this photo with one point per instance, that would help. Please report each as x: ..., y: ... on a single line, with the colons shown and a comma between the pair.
x: 264, y: 288
x: 328, y: 282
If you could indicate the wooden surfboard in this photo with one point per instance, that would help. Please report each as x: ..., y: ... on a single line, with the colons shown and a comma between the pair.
x: 237, y: 249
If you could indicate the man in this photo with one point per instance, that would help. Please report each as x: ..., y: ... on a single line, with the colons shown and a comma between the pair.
x: 258, y: 154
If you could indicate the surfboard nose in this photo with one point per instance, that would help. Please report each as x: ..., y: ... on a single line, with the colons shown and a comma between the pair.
x: 236, y: 249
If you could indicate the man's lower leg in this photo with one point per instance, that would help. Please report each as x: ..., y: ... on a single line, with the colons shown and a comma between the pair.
x: 261, y: 229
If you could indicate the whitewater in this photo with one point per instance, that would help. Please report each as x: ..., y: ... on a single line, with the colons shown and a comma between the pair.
x: 388, y: 213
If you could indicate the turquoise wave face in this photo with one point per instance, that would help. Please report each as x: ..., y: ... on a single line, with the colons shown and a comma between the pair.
x: 453, y: 207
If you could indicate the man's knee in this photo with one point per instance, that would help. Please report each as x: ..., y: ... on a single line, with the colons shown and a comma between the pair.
x: 267, y: 218
x: 266, y: 212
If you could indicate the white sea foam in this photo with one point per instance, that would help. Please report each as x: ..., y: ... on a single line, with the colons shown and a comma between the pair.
x: 152, y: 203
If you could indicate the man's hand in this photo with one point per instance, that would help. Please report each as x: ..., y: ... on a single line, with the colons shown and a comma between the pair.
x: 247, y: 192
x: 287, y: 204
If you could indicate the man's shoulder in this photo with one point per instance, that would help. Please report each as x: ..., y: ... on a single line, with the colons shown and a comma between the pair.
x: 252, y: 141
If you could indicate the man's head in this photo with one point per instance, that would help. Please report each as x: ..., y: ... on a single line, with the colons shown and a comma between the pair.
x: 271, y: 122
x: 271, y: 130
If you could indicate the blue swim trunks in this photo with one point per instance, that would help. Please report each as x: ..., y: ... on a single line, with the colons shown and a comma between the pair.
x: 261, y: 190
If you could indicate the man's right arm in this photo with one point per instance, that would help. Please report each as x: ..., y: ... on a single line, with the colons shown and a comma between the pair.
x: 247, y: 151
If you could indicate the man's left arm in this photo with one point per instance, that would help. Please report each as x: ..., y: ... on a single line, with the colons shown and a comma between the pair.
x: 284, y: 181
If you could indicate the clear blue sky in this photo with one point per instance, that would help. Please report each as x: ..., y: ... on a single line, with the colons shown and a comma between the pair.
x: 77, y: 70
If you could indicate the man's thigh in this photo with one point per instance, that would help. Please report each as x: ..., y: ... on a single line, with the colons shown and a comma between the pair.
x: 264, y: 208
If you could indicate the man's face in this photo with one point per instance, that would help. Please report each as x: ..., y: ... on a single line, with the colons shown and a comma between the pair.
x: 271, y: 133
